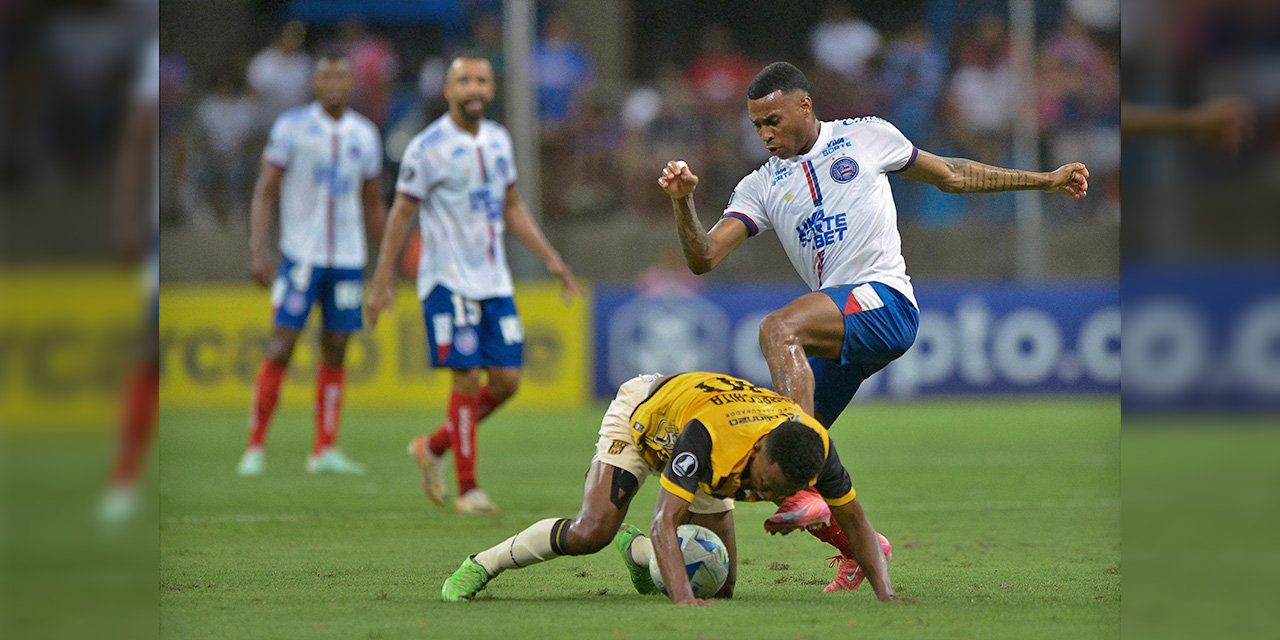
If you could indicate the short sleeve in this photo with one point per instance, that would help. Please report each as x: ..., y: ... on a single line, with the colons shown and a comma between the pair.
x: 746, y: 203
x: 373, y: 164
x: 279, y: 149
x: 833, y: 482
x: 690, y: 462
x: 891, y: 150
x: 416, y: 171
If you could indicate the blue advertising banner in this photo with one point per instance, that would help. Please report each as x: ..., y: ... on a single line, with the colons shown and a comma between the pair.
x: 1201, y: 337
x: 975, y: 337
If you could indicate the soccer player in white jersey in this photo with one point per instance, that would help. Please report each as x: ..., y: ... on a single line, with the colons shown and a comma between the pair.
x: 825, y: 191
x: 459, y: 176
x: 136, y: 182
x: 322, y: 164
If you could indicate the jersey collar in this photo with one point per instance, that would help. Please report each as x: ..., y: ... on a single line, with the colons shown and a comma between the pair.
x: 321, y: 115
x: 459, y: 130
x: 824, y: 135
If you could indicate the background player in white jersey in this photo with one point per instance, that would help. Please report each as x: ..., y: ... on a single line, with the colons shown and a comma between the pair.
x: 322, y: 163
x: 136, y: 182
x: 826, y: 192
x: 458, y: 174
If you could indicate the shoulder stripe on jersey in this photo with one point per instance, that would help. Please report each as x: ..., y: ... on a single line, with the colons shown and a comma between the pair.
x: 752, y: 229
x: 910, y: 161
x: 812, y: 176
x: 843, y: 500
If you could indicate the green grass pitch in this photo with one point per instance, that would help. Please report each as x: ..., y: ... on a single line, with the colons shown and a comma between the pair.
x: 1004, y: 516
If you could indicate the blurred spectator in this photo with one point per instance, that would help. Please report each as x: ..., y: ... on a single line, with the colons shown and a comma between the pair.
x: 720, y: 73
x: 912, y: 76
x: 175, y: 105
x: 280, y: 75
x: 668, y: 277
x: 224, y: 135
x: 982, y: 94
x: 563, y: 72
x: 375, y: 66
x: 843, y: 42
x: 1099, y: 15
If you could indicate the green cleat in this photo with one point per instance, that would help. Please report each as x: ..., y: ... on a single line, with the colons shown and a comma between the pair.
x: 465, y: 583
x: 640, y: 577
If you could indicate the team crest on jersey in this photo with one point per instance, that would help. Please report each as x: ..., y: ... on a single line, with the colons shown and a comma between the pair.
x: 685, y: 465
x: 617, y: 447
x: 354, y: 152
x: 844, y: 169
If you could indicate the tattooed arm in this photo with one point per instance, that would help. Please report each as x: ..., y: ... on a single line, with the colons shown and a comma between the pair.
x: 702, y: 250
x: 958, y: 175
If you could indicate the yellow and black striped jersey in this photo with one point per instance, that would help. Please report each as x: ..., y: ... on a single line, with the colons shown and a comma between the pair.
x: 698, y: 429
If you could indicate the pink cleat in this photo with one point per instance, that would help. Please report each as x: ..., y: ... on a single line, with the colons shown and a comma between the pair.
x: 849, y: 576
x: 804, y: 510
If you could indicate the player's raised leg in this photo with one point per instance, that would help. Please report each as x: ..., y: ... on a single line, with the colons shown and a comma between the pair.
x: 266, y: 392
x: 810, y: 325
x: 605, y: 499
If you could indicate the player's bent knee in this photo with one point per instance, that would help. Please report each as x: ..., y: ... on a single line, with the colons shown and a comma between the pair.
x: 776, y: 329
x: 588, y: 536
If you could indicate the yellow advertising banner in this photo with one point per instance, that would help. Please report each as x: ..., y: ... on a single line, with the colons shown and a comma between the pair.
x: 68, y: 337
x: 213, y: 336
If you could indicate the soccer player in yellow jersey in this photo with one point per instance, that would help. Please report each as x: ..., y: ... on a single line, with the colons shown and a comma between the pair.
x: 711, y: 439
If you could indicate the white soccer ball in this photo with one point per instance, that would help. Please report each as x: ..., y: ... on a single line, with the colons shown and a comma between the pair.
x: 706, y: 561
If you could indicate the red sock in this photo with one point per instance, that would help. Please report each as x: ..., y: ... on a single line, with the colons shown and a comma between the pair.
x: 266, y: 391
x: 439, y: 442
x: 329, y: 382
x: 138, y: 424
x: 462, y: 438
x: 833, y: 535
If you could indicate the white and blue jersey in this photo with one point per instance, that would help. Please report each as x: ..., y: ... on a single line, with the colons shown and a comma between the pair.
x: 326, y: 163
x: 833, y: 212
x: 832, y: 207
x: 460, y: 182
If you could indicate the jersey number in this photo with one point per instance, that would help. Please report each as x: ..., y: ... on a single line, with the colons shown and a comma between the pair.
x: 733, y: 385
x: 465, y: 312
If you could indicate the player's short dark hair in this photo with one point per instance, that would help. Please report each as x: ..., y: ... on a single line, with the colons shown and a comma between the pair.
x: 331, y: 53
x: 797, y: 449
x: 470, y: 54
x: 779, y: 76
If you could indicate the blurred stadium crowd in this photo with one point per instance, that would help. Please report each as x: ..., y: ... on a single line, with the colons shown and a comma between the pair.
x: 948, y: 83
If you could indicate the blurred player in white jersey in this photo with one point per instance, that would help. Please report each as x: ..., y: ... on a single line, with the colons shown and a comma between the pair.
x: 825, y: 191
x: 322, y: 164
x: 137, y: 180
x: 459, y: 175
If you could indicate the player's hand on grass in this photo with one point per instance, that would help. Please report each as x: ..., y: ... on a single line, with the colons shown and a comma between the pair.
x: 260, y: 269
x: 380, y: 297
x: 568, y: 284
x: 677, y: 180
x: 1072, y: 178
x: 695, y: 602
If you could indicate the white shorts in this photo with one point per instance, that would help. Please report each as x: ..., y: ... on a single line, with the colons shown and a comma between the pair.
x: 617, y: 445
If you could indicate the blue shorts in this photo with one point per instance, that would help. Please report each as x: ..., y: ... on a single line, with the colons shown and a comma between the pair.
x: 465, y: 334
x: 879, y: 326
x: 299, y: 286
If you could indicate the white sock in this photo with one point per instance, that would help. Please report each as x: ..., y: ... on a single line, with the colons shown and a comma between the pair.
x: 641, y: 550
x: 540, y: 542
